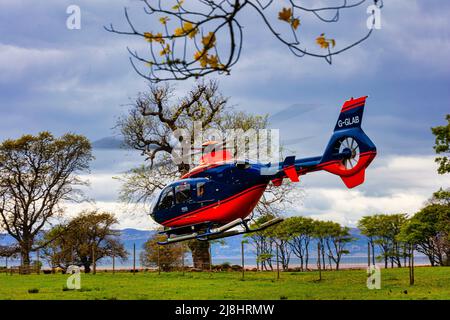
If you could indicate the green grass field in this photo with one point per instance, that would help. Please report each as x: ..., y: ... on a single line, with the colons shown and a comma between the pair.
x: 431, y: 283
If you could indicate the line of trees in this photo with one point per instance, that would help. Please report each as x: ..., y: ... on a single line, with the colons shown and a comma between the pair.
x: 89, y: 237
x: 427, y: 231
x: 383, y: 231
x: 294, y: 237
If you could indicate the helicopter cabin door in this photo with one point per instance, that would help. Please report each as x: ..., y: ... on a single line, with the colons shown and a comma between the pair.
x: 183, y: 197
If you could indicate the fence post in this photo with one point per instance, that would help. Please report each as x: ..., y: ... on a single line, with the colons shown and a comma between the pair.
x: 182, y: 261
x: 159, y: 263
x: 373, y: 253
x: 411, y: 265
x: 210, y: 258
x: 38, y: 262
x: 242, y: 256
x: 318, y: 260
x: 94, y: 271
x: 412, y: 260
x: 134, y: 259
x: 257, y: 258
x: 405, y: 249
x: 114, y: 263
x: 278, y: 264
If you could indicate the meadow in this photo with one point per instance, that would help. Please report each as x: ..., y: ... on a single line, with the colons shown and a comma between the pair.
x: 430, y: 283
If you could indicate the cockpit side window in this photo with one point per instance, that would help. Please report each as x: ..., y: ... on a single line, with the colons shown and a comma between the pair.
x: 182, y: 193
x: 200, y: 189
x: 167, y: 199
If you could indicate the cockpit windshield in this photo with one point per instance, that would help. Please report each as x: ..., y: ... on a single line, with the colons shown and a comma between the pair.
x: 180, y: 193
x: 166, y: 200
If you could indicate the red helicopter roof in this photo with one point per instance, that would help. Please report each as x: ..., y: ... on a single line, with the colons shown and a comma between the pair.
x: 217, y: 156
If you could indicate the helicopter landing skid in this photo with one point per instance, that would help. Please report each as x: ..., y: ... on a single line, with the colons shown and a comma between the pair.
x: 221, y: 232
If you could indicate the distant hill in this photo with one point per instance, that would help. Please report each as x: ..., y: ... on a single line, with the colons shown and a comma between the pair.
x: 6, y: 239
x: 112, y: 143
x: 109, y: 143
x: 134, y: 236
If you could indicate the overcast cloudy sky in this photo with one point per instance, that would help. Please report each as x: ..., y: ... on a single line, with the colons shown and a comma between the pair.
x: 60, y: 80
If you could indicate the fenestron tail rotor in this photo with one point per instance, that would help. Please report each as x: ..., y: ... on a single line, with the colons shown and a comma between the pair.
x: 349, y: 145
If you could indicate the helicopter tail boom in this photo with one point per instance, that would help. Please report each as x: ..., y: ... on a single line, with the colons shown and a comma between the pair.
x: 348, y: 153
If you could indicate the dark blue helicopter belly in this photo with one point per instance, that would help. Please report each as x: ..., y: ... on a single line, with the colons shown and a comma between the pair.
x: 224, y: 184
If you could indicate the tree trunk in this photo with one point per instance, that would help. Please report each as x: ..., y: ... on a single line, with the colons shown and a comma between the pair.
x: 404, y: 254
x: 301, y: 263
x: 86, y: 264
x: 323, y: 257
x: 25, y: 255
x: 447, y: 258
x: 431, y: 258
x: 200, y: 254
x: 25, y: 249
x: 307, y: 257
x: 257, y: 258
x: 373, y: 253
x: 87, y: 268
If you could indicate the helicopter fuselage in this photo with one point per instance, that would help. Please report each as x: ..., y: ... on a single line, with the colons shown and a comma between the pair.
x: 216, y: 194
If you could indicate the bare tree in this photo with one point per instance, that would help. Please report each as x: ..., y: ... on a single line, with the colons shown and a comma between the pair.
x: 36, y: 174
x: 201, y: 37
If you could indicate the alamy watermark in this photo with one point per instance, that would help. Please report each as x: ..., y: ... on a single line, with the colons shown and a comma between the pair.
x: 73, y: 21
x: 373, y: 277
x: 74, y: 280
x: 261, y: 145
x: 374, y: 21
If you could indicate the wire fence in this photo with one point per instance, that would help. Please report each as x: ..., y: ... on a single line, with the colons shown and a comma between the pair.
x: 245, y: 259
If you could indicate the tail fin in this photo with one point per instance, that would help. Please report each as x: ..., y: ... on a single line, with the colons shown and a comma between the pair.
x: 351, y: 114
x: 349, y: 151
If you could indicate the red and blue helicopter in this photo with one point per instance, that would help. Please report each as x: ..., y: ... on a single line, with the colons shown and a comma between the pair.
x: 220, y: 194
